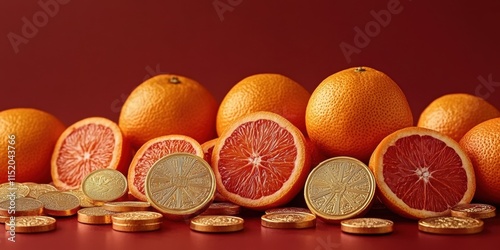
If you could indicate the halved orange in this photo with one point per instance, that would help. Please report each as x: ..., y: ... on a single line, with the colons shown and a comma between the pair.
x: 260, y: 161
x: 422, y: 173
x: 87, y: 145
x: 152, y: 151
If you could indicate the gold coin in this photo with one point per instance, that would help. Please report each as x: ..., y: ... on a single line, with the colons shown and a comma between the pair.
x: 287, y: 210
x: 21, y: 207
x: 339, y: 188
x: 126, y: 206
x: 4, y: 219
x: 13, y: 190
x: 288, y: 220
x: 216, y: 223
x: 451, y: 225
x: 104, y: 185
x: 136, y: 228
x: 85, y: 201
x: 366, y: 226
x: 137, y: 218
x: 94, y: 215
x: 222, y: 208
x: 58, y: 203
x: 32, y: 224
x: 478, y: 211
x: 38, y: 189
x: 180, y: 185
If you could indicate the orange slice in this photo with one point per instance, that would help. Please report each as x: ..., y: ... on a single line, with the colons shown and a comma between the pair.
x: 422, y: 173
x: 87, y: 145
x: 151, y: 152
x: 260, y: 161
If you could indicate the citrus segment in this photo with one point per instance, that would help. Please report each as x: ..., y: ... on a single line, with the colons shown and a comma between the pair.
x: 152, y: 151
x: 261, y: 161
x: 87, y: 145
x: 422, y: 173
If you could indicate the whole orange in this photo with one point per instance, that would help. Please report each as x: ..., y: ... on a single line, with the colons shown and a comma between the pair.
x: 455, y: 114
x: 482, y: 145
x: 264, y: 92
x: 28, y: 137
x: 351, y: 111
x: 168, y: 104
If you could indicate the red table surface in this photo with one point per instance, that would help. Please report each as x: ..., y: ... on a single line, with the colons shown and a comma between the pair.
x: 71, y: 234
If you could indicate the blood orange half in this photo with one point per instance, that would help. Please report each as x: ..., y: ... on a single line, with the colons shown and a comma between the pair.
x: 87, y: 145
x: 260, y: 161
x: 422, y: 173
x: 152, y: 151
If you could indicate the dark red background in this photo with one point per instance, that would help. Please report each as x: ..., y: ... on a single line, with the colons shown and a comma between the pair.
x: 90, y: 55
x: 87, y: 58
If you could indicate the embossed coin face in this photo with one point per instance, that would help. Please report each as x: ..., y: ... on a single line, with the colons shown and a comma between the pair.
x: 104, y: 185
x: 126, y: 206
x: 33, y: 224
x: 38, y: 189
x: 366, y: 226
x: 288, y: 220
x: 450, y: 225
x: 339, y: 188
x: 85, y: 201
x: 21, y: 207
x: 180, y: 185
x: 59, y: 203
x: 94, y: 215
x: 478, y: 211
x: 137, y: 217
x: 216, y: 223
x: 13, y: 189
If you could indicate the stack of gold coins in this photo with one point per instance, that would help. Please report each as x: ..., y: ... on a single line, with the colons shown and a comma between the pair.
x: 288, y: 220
x: 366, y: 226
x: 339, y: 188
x: 95, y: 215
x: 126, y: 206
x: 217, y: 223
x: 57, y: 203
x: 180, y: 186
x: 475, y: 210
x: 104, y: 185
x: 137, y: 221
x: 450, y: 225
x: 31, y: 224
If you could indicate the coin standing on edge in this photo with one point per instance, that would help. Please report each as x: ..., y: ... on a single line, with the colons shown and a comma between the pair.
x: 32, y: 224
x: 126, y: 206
x: 104, y: 185
x: 366, y: 226
x: 217, y: 223
x: 295, y: 220
x: 94, y: 215
x: 180, y: 185
x: 451, y: 225
x: 474, y: 210
x: 339, y: 188
x: 58, y: 203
